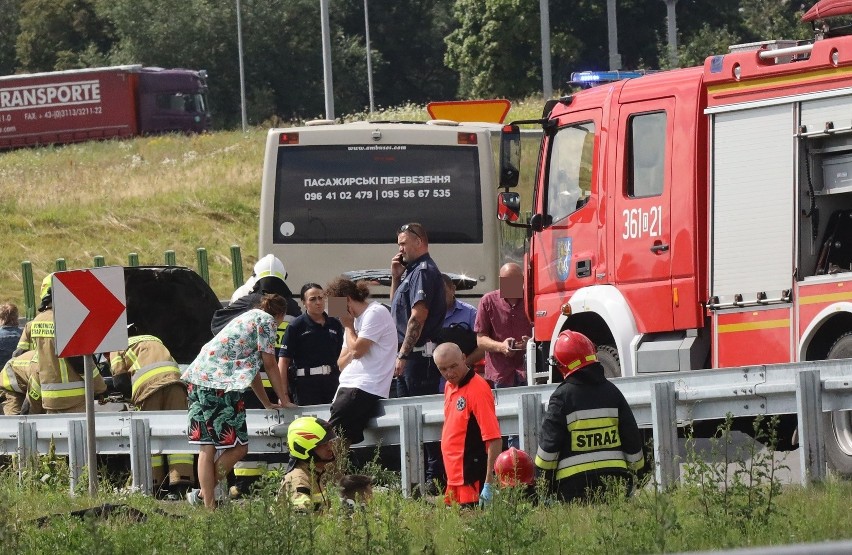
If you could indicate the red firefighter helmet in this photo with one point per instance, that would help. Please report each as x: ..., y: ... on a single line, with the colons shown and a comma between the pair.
x: 573, y: 351
x: 514, y: 467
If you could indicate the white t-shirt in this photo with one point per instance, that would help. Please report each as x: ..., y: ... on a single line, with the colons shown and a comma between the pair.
x: 373, y: 372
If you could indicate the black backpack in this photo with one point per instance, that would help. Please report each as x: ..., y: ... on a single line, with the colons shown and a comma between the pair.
x: 460, y: 334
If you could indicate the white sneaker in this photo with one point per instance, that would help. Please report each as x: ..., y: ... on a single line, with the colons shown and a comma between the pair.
x: 193, y: 497
x: 220, y: 494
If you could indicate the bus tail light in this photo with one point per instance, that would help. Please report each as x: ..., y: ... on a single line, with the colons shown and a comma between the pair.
x: 288, y: 139
x: 467, y: 138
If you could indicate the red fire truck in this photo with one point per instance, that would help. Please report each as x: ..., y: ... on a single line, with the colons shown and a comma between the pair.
x: 699, y: 217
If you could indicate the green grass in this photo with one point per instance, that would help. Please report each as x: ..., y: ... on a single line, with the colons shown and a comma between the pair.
x: 723, y: 502
x: 645, y: 523
x: 145, y: 195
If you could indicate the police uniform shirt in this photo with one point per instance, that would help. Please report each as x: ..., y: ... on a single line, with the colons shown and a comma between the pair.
x: 421, y: 281
x: 470, y: 420
x: 461, y: 313
x: 309, y: 344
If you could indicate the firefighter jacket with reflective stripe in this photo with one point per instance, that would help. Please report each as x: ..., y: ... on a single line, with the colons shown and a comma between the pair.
x: 61, y: 379
x: 304, y: 491
x: 588, y: 433
x: 149, y: 363
x: 20, y: 375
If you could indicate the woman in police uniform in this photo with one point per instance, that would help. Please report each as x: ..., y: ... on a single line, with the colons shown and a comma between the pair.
x: 309, y: 350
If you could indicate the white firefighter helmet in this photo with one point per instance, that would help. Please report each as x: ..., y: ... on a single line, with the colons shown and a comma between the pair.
x: 269, y: 265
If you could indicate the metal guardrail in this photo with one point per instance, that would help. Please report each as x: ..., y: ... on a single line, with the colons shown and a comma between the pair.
x: 661, y: 402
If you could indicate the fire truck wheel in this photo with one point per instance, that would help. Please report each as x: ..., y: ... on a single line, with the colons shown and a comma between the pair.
x: 838, y: 425
x: 608, y: 357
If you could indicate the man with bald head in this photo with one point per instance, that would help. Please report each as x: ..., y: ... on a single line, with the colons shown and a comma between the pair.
x: 470, y: 439
x: 503, y: 328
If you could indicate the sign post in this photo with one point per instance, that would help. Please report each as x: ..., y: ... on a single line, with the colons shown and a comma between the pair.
x: 90, y: 310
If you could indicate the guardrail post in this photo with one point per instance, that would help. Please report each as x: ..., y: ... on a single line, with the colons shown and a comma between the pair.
x: 29, y: 289
x: 99, y: 261
x: 133, y: 259
x: 236, y: 266
x: 140, y: 455
x: 201, y: 258
x: 27, y: 447
x: 664, y: 421
x: 411, y: 448
x: 169, y: 258
x: 811, y: 435
x: 76, y: 451
x: 529, y: 421
x: 60, y: 265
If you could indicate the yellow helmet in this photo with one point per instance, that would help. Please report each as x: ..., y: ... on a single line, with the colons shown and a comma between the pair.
x: 46, y: 283
x: 305, y: 434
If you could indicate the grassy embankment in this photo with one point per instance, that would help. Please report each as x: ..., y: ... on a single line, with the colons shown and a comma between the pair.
x: 719, y: 506
x: 145, y: 195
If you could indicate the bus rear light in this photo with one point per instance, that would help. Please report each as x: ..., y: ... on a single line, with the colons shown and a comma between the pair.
x: 288, y: 139
x: 467, y: 138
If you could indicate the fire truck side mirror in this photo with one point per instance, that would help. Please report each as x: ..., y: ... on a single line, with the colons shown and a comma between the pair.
x: 508, y: 207
x: 510, y: 156
x: 538, y: 221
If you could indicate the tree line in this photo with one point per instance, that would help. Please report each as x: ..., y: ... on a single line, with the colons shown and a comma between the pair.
x: 421, y: 50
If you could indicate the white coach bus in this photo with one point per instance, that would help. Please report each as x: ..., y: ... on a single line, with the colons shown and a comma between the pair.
x: 334, y: 196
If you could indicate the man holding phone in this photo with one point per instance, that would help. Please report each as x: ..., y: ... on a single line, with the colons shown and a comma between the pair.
x: 418, y: 307
x: 503, y: 329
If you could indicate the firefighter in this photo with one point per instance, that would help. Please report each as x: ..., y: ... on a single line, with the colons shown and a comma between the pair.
x: 62, y: 386
x: 309, y: 441
x: 19, y: 383
x: 601, y: 441
x: 148, y: 375
x: 269, y: 265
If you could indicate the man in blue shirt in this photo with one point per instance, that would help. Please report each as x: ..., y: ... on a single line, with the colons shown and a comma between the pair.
x: 418, y: 307
x: 10, y: 333
x: 461, y: 314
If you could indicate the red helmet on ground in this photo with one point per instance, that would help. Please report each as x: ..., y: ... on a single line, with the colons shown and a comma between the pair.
x: 514, y: 467
x: 573, y: 351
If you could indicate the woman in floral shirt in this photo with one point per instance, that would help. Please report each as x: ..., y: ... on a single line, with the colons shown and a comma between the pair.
x: 226, y: 366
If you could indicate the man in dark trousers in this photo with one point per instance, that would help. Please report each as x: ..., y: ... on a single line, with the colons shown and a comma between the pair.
x: 418, y: 307
x: 589, y: 437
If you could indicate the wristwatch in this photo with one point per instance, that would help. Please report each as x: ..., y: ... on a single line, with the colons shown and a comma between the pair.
x: 400, y: 356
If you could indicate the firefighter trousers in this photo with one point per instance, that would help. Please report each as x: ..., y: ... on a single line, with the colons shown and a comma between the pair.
x: 179, y: 465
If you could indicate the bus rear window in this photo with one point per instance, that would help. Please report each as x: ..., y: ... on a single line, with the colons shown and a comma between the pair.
x: 363, y: 193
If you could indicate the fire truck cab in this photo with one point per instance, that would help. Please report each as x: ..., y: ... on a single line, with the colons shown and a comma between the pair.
x: 699, y: 217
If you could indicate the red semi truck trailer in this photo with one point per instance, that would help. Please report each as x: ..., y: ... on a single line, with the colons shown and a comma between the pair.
x: 100, y: 103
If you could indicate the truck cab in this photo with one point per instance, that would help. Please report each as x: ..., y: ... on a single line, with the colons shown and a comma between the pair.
x: 172, y: 100
x: 617, y: 204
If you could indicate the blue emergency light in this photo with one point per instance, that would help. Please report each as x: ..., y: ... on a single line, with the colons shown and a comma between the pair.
x: 591, y: 78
